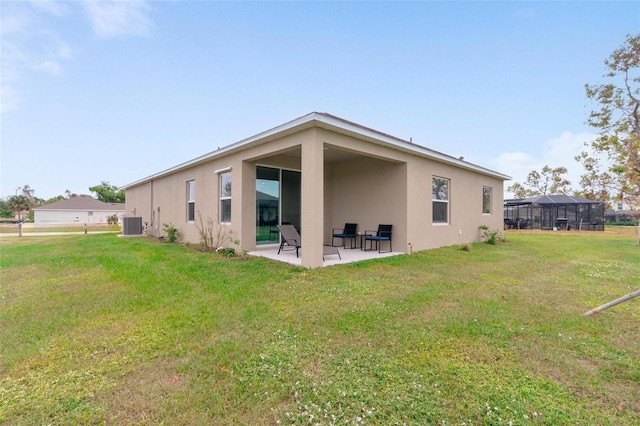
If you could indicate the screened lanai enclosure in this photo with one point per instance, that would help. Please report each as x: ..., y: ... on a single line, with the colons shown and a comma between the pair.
x: 554, y: 212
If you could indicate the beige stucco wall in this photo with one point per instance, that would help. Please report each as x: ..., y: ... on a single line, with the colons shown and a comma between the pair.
x: 386, y: 186
x: 371, y: 185
x: 169, y: 192
x: 369, y: 192
x: 465, y: 205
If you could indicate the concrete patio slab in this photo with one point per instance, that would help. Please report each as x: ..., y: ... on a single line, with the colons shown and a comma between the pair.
x: 346, y: 255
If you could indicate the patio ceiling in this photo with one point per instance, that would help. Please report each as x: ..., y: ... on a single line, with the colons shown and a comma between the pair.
x: 332, y: 154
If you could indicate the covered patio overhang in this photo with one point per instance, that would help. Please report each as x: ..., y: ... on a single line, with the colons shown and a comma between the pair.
x: 339, y: 184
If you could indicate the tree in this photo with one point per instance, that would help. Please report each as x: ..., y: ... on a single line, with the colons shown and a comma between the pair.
x: 27, y: 191
x: 108, y: 193
x: 22, y: 202
x: 52, y: 200
x: 613, y: 166
x: 547, y: 181
x: 5, y: 209
x: 19, y: 203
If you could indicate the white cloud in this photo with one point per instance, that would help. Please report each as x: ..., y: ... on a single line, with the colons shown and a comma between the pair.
x: 113, y: 18
x: 51, y: 7
x: 13, y: 21
x: 63, y: 50
x: 30, y: 41
x: 556, y: 152
x: 50, y: 67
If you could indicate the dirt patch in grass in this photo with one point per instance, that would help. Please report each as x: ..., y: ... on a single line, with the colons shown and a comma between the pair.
x: 135, y: 396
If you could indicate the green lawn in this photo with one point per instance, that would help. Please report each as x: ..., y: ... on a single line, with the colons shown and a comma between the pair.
x: 28, y: 228
x: 101, y: 330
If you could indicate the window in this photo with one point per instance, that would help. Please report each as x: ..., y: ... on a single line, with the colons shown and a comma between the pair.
x: 191, y: 200
x: 486, y: 200
x: 225, y: 197
x: 440, y: 197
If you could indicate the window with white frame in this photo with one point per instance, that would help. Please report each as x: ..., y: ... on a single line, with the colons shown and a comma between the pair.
x: 440, y: 200
x: 225, y: 197
x: 486, y: 200
x: 191, y: 200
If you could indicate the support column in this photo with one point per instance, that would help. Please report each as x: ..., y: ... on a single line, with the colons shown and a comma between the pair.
x: 312, y: 163
x: 246, y: 210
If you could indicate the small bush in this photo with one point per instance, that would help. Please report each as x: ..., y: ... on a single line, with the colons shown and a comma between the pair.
x: 465, y: 247
x: 212, y: 233
x: 490, y: 236
x: 241, y: 252
x: 173, y: 235
x: 227, y: 251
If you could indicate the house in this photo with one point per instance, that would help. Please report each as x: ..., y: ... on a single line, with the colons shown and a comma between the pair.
x: 557, y: 211
x: 622, y: 212
x: 318, y: 172
x: 76, y: 210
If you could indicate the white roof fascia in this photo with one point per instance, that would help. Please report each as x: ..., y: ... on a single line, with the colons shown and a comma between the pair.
x: 335, y: 123
x: 224, y: 150
x: 407, y: 146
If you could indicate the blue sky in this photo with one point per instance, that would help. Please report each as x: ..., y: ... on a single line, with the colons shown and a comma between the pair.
x: 117, y: 90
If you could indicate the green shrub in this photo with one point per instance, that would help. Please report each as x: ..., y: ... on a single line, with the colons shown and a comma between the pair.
x: 173, y: 235
x: 227, y: 251
x: 621, y: 223
x: 490, y: 236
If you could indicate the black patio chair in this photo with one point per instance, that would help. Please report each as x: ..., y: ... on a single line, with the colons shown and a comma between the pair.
x: 382, y: 234
x: 349, y: 232
x: 290, y: 237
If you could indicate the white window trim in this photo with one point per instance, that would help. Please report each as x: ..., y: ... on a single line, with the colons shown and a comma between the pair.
x: 191, y: 201
x: 490, y: 200
x: 222, y: 198
x: 447, y: 202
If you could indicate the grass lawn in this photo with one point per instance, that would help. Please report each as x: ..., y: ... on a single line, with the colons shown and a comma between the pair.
x: 29, y: 228
x: 102, y: 330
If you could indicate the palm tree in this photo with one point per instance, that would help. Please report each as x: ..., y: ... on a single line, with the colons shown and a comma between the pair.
x: 19, y: 203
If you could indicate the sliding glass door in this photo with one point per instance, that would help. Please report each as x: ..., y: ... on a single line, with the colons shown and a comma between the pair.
x: 278, y: 201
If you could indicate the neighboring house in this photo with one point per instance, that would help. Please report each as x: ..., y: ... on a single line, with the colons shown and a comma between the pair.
x: 555, y: 211
x: 622, y: 212
x: 76, y: 210
x: 621, y: 207
x: 318, y: 172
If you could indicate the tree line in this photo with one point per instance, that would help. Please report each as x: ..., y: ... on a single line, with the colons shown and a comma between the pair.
x: 612, y: 160
x: 24, y: 200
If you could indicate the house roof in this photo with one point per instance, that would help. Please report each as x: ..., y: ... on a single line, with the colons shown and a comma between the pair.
x: 552, y: 199
x: 336, y: 124
x: 82, y: 203
x: 261, y: 196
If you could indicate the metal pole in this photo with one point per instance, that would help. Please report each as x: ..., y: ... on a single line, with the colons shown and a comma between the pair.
x: 612, y: 303
x: 20, y: 229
